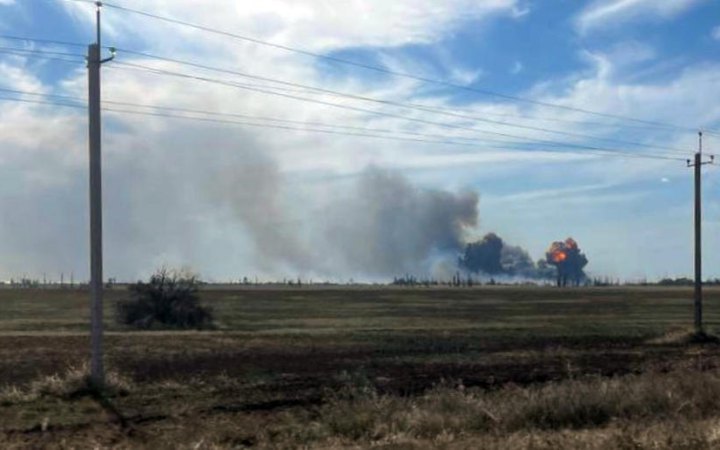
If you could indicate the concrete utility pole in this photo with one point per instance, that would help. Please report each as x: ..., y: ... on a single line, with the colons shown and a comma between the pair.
x: 94, y: 61
x: 698, y: 295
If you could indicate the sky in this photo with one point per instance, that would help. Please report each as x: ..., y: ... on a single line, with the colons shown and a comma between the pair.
x: 230, y: 200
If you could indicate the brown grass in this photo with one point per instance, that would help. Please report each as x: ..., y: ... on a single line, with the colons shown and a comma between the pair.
x: 651, y: 410
x: 450, y: 413
x: 73, y: 383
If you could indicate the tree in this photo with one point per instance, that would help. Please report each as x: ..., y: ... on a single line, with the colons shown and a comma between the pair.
x: 170, y: 299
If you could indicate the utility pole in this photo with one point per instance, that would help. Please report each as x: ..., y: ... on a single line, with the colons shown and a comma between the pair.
x: 94, y: 62
x: 698, y: 294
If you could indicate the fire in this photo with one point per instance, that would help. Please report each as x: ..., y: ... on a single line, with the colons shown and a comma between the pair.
x: 557, y: 252
x: 559, y: 256
x: 569, y: 260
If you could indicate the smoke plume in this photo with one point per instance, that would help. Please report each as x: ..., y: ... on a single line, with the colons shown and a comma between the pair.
x: 484, y: 255
x: 492, y: 256
x: 516, y: 262
x: 254, y: 191
x: 389, y: 226
x: 382, y: 225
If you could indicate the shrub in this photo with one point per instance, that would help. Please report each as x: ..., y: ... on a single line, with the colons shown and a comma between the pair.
x: 169, y: 299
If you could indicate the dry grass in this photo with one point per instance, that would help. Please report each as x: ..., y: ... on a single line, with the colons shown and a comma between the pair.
x: 683, y: 336
x: 73, y: 383
x: 650, y: 410
x: 532, y: 417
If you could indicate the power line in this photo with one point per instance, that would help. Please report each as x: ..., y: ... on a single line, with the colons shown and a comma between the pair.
x: 43, y: 102
x: 384, y: 114
x: 589, y: 151
x: 46, y: 58
x: 306, y: 88
x: 42, y: 41
x: 40, y: 52
x: 511, y: 144
x: 414, y: 106
x: 545, y: 119
x: 647, y: 124
x: 38, y: 55
x: 11, y: 50
x: 274, y: 119
x: 262, y: 118
x: 387, y: 71
x: 599, y: 152
x: 203, y: 119
x: 142, y: 68
x: 347, y: 107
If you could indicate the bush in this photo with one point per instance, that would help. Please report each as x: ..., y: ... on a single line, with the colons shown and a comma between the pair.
x: 169, y: 299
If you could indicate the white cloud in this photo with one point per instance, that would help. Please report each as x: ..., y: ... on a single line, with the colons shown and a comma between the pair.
x: 649, y: 100
x: 606, y: 13
x: 621, y: 59
x: 520, y: 11
x: 465, y: 77
x: 15, y: 77
x: 517, y: 68
x: 6, y: 2
x: 319, y: 25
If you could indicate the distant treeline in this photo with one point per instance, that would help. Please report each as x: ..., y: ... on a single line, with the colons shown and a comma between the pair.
x: 469, y: 281
x: 684, y: 281
x: 457, y: 280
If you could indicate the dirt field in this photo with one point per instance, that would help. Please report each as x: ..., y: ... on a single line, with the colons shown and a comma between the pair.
x: 359, y: 367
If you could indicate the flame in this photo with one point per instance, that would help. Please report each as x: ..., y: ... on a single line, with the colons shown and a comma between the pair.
x: 560, y: 251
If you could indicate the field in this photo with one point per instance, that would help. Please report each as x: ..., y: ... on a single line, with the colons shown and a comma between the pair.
x: 483, y: 367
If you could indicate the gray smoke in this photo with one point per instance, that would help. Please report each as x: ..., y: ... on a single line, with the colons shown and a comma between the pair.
x: 185, y: 197
x: 388, y: 226
x: 380, y: 226
x: 493, y: 256
x: 516, y: 261
x: 254, y: 191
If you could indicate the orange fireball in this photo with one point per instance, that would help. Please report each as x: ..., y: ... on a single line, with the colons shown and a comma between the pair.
x: 559, y: 256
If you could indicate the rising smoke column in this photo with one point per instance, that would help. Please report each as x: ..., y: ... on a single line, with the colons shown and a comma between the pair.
x: 388, y: 226
x: 569, y: 260
x: 374, y: 226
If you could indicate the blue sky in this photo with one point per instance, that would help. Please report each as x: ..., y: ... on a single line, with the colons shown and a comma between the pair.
x: 178, y: 192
